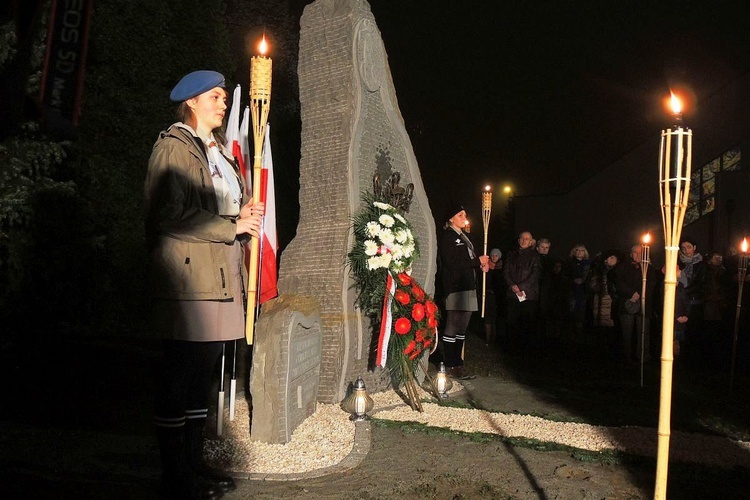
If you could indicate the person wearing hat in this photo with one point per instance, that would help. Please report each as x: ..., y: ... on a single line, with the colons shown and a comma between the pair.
x: 197, y: 215
x: 458, y: 263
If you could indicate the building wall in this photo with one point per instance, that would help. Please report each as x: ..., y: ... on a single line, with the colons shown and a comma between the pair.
x: 617, y: 206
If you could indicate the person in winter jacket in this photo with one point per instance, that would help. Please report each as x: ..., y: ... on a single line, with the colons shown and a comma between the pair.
x: 197, y: 213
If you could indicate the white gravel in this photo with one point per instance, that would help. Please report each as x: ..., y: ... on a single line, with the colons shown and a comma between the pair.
x: 327, y: 437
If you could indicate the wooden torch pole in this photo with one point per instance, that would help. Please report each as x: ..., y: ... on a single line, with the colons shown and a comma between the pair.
x: 486, y: 209
x: 260, y: 104
x: 645, y: 261
x: 741, y: 273
x: 675, y: 157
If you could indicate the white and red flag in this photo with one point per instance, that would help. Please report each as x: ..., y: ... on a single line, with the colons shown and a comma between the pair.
x: 269, y: 243
x: 244, y: 158
x: 233, y: 141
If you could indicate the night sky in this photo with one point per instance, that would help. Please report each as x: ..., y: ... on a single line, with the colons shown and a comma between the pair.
x: 544, y: 94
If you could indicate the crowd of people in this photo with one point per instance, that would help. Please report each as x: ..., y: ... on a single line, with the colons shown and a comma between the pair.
x: 610, y: 300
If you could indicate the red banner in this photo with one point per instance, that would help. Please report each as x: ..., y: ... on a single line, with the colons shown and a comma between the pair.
x: 64, y: 64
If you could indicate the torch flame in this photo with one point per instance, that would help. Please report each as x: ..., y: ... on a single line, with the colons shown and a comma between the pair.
x: 675, y: 103
x: 487, y: 188
x: 647, y: 238
x: 263, y: 46
x: 744, y: 245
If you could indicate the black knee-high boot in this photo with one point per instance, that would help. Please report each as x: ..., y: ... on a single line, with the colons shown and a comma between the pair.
x: 452, y: 357
x: 178, y: 478
x: 195, y: 423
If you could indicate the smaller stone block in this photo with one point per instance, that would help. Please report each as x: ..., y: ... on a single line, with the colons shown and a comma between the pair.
x: 286, y: 367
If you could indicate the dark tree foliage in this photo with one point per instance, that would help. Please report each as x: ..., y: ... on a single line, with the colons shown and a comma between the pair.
x: 72, y: 253
x: 138, y: 50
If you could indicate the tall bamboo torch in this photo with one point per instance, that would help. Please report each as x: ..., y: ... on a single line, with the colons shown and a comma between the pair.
x: 486, y: 210
x: 675, y: 158
x: 741, y: 274
x: 645, y: 261
x: 260, y: 104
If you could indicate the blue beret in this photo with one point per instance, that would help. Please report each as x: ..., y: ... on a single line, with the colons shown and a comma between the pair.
x: 196, y: 83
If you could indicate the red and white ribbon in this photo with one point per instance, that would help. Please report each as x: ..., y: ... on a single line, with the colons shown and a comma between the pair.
x: 386, y: 321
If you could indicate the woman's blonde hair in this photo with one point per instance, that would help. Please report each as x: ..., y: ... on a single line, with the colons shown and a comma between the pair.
x: 585, y: 252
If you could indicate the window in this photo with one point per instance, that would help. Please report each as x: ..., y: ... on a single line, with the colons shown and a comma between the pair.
x: 702, y: 197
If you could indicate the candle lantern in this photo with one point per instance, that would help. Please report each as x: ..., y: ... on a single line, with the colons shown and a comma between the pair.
x: 675, y: 158
x: 358, y: 403
x: 260, y: 104
x: 442, y: 382
x: 486, y: 210
x: 741, y: 275
x: 645, y: 261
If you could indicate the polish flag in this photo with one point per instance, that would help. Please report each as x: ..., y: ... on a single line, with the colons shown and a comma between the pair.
x: 269, y: 243
x: 244, y: 158
x: 234, y: 140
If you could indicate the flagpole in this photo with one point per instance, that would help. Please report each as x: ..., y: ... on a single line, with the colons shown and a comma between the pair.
x: 220, y: 410
x: 233, y: 383
x: 260, y: 102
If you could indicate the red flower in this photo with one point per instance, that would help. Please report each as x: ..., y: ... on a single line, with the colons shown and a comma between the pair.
x: 404, y: 278
x: 415, y: 354
x: 417, y: 312
x: 409, y: 348
x: 402, y: 297
x: 402, y: 326
x: 432, y: 322
x: 431, y: 308
x: 427, y: 343
x: 417, y: 292
x: 419, y: 336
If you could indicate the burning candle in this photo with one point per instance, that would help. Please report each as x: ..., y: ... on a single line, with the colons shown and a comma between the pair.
x: 676, y: 105
x: 260, y: 73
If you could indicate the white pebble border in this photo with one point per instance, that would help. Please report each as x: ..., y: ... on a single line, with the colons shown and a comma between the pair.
x: 327, y: 437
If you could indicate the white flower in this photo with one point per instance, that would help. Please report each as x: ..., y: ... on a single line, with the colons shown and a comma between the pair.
x: 373, y: 263
x: 385, y: 259
x: 372, y: 229
x: 386, y: 220
x: 397, y: 265
x: 401, y: 219
x: 397, y: 251
x: 379, y: 261
x: 371, y: 248
x: 386, y: 236
x: 382, y: 206
x: 408, y: 250
x: 402, y: 236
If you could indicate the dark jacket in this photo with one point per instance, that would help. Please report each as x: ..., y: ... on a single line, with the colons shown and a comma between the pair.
x: 523, y: 268
x: 629, y: 279
x: 694, y: 272
x: 456, y: 267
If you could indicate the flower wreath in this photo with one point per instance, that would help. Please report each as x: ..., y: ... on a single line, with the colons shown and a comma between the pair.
x: 402, y: 313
